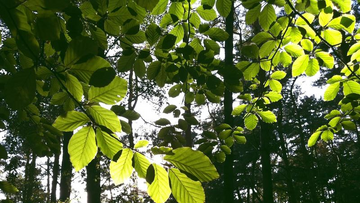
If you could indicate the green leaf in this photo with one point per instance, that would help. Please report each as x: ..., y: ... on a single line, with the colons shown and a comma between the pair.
x: 307, y: 44
x: 147, y: 4
x: 223, y: 7
x: 184, y: 189
x: 86, y: 69
x: 252, y: 15
x: 251, y: 71
x: 251, y: 121
x: 267, y: 48
x: 194, y: 162
x: 225, y: 149
x: 240, y: 139
x: 333, y: 37
x: 102, y: 77
x: 351, y: 87
x: 345, y: 5
x: 139, y: 68
x: 20, y: 89
x: 353, y: 48
x: 238, y: 110
x: 78, y: 48
x: 71, y: 121
x: 159, y: 190
x: 169, y: 108
x: 122, y: 168
x: 82, y: 147
x: 275, y: 85
x: 8, y: 188
x: 217, y: 34
x: 267, y: 116
x: 160, y: 7
x: 110, y: 94
x: 314, y: 137
x: 141, y: 143
x: 294, y: 50
x: 162, y: 121
x: 108, y: 144
x: 141, y: 164
x: 327, y: 135
x: 74, y: 86
x: 274, y: 96
x: 206, y: 14
x: 267, y: 17
x: 325, y: 16
x: 300, y: 65
x: 331, y: 91
x: 48, y: 26
x: 313, y: 67
x: 178, y: 31
x: 327, y: 58
x: 105, y: 117
x: 225, y: 134
x: 345, y: 22
x: 27, y: 44
x: 348, y: 125
x: 261, y: 37
x: 278, y: 75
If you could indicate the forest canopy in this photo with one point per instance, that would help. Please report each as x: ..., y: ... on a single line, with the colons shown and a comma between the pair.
x: 73, y: 73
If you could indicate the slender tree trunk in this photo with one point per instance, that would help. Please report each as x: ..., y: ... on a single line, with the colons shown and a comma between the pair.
x: 30, y: 180
x: 289, y: 181
x: 26, y: 185
x: 48, y: 180
x: 66, y: 170
x: 93, y: 181
x: 228, y: 101
x: 265, y: 135
x: 55, y: 178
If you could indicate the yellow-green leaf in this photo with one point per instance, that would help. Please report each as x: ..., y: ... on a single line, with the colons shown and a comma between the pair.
x: 193, y: 162
x: 82, y: 147
x: 105, y: 117
x: 122, y: 168
x: 331, y: 91
x: 108, y: 144
x: 300, y: 65
x: 110, y: 94
x: 159, y: 190
x: 71, y: 121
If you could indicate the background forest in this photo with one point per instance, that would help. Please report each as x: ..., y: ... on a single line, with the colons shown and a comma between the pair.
x: 186, y: 101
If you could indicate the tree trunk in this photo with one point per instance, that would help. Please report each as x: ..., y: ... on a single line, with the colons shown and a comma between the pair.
x: 228, y: 102
x: 288, y: 178
x: 29, y: 184
x: 93, y: 181
x: 55, y: 178
x: 265, y: 135
x: 66, y: 170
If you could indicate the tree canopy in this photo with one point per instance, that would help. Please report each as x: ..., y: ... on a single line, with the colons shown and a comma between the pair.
x: 83, y: 56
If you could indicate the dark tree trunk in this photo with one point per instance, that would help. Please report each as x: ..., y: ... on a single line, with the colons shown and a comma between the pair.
x: 228, y: 101
x: 55, y: 178
x: 66, y: 170
x: 289, y: 181
x: 265, y: 135
x: 29, y: 184
x: 93, y: 181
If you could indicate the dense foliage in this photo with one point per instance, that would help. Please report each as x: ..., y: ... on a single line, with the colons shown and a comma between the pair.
x: 60, y: 54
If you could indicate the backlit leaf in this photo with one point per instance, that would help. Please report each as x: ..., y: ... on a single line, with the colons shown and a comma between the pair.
x: 331, y: 91
x: 184, y: 189
x: 251, y: 121
x: 108, y: 144
x: 71, y: 121
x: 82, y: 147
x: 122, y: 169
x: 300, y: 65
x: 110, y: 94
x: 193, y: 162
x: 105, y: 117
x: 159, y: 190
x: 141, y: 164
